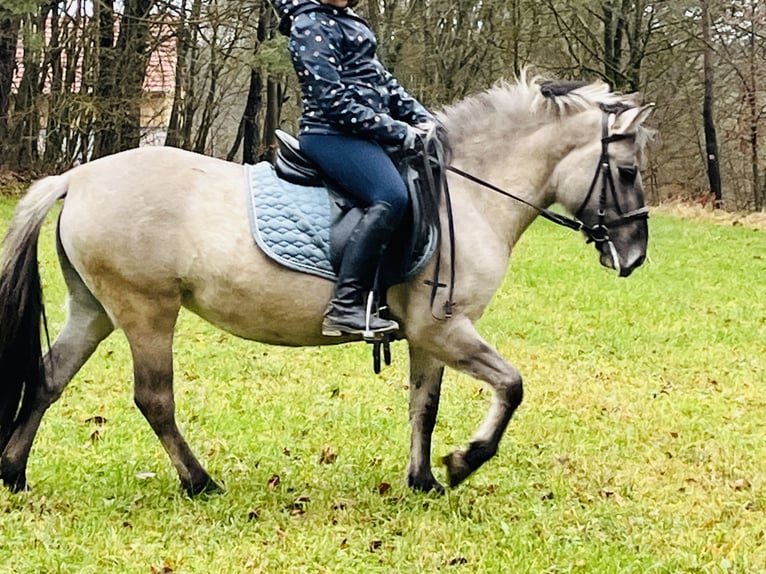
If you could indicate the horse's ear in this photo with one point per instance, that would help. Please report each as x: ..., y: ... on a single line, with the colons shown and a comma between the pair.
x: 628, y: 121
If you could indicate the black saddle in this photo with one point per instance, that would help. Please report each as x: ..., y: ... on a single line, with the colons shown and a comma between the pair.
x: 417, y: 237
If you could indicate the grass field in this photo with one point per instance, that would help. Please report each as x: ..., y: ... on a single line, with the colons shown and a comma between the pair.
x: 640, y: 445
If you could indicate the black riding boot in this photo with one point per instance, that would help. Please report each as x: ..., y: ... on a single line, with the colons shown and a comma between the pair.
x: 347, y: 312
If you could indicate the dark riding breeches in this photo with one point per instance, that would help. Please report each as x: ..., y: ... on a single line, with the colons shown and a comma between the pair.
x: 360, y: 167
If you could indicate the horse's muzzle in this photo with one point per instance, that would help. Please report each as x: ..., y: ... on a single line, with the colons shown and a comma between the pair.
x: 625, y: 266
x: 625, y: 271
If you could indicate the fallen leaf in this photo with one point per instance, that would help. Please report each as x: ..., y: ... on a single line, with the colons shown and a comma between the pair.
x: 96, y: 420
x: 328, y: 456
x: 166, y: 568
x: 383, y: 488
x: 145, y: 475
x: 611, y: 494
x: 273, y: 481
x: 375, y: 544
x: 299, y: 506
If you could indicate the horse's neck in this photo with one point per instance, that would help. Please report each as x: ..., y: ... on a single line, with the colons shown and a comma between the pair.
x: 521, y: 165
x: 519, y: 175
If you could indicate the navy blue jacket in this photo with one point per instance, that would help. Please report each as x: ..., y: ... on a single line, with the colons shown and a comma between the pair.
x: 346, y: 89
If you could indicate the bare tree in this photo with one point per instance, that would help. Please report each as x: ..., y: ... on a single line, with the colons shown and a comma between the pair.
x: 9, y: 35
x: 122, y: 68
x: 711, y: 139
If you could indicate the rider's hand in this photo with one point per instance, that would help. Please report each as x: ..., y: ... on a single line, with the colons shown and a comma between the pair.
x: 426, y: 126
x: 412, y: 138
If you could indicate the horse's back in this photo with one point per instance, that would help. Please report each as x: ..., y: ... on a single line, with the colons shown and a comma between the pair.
x: 149, y: 205
x: 170, y: 223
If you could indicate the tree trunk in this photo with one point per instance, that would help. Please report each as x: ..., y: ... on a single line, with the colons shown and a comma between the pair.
x: 121, y: 75
x: 192, y: 65
x: 26, y: 132
x: 274, y: 95
x: 611, y: 59
x: 250, y: 128
x: 181, y: 81
x: 9, y: 35
x: 752, y: 102
x: 54, y: 129
x: 208, y: 111
x: 104, y: 85
x: 711, y: 140
x: 250, y: 125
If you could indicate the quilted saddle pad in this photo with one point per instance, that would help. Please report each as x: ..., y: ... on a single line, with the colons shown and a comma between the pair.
x: 290, y: 223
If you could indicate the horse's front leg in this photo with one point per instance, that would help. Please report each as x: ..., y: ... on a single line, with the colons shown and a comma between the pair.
x: 425, y: 388
x: 461, y: 347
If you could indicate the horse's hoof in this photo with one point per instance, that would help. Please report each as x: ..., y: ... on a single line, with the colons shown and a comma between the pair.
x: 209, y: 486
x: 17, y: 484
x: 457, y: 467
x: 425, y: 484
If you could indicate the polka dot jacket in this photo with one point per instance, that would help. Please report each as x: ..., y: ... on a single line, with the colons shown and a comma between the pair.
x: 346, y: 89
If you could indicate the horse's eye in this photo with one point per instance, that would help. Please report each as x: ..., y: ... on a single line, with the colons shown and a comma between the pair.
x: 627, y: 174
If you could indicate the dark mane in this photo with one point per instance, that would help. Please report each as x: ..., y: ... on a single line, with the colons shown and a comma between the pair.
x: 556, y: 88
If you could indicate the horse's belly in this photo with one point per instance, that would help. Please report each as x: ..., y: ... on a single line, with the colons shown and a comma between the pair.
x: 262, y: 301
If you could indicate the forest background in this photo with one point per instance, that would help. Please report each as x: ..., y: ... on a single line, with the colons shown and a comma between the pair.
x: 82, y: 79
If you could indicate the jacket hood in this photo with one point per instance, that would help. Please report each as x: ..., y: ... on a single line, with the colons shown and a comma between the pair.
x: 288, y: 7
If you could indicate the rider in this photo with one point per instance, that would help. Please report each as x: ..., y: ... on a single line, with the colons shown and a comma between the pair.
x: 352, y: 109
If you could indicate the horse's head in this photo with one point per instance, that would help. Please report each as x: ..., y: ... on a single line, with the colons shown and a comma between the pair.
x: 600, y: 182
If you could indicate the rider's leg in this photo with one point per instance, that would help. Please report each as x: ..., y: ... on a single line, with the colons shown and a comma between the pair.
x: 347, y: 312
x: 364, y: 170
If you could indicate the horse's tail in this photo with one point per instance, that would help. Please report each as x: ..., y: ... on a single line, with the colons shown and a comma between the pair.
x: 21, y: 305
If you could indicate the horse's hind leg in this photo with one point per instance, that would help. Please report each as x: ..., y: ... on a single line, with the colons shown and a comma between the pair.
x: 425, y: 388
x: 86, y: 326
x: 149, y: 330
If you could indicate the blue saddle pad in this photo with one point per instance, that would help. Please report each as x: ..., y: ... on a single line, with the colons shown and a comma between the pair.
x: 290, y: 223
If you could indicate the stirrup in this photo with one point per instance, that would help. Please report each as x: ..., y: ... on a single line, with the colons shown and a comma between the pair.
x: 367, y: 332
x: 372, y: 336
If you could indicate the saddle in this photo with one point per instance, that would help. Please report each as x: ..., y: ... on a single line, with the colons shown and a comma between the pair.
x: 413, y: 243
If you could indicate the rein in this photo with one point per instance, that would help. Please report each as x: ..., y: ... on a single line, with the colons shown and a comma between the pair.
x: 556, y: 218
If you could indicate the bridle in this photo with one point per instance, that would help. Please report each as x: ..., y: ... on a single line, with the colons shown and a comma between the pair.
x: 598, y: 233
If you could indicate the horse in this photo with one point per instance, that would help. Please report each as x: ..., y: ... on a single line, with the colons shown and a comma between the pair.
x: 147, y: 231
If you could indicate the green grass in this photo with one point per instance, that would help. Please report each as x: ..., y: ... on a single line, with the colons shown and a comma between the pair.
x: 639, y: 446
